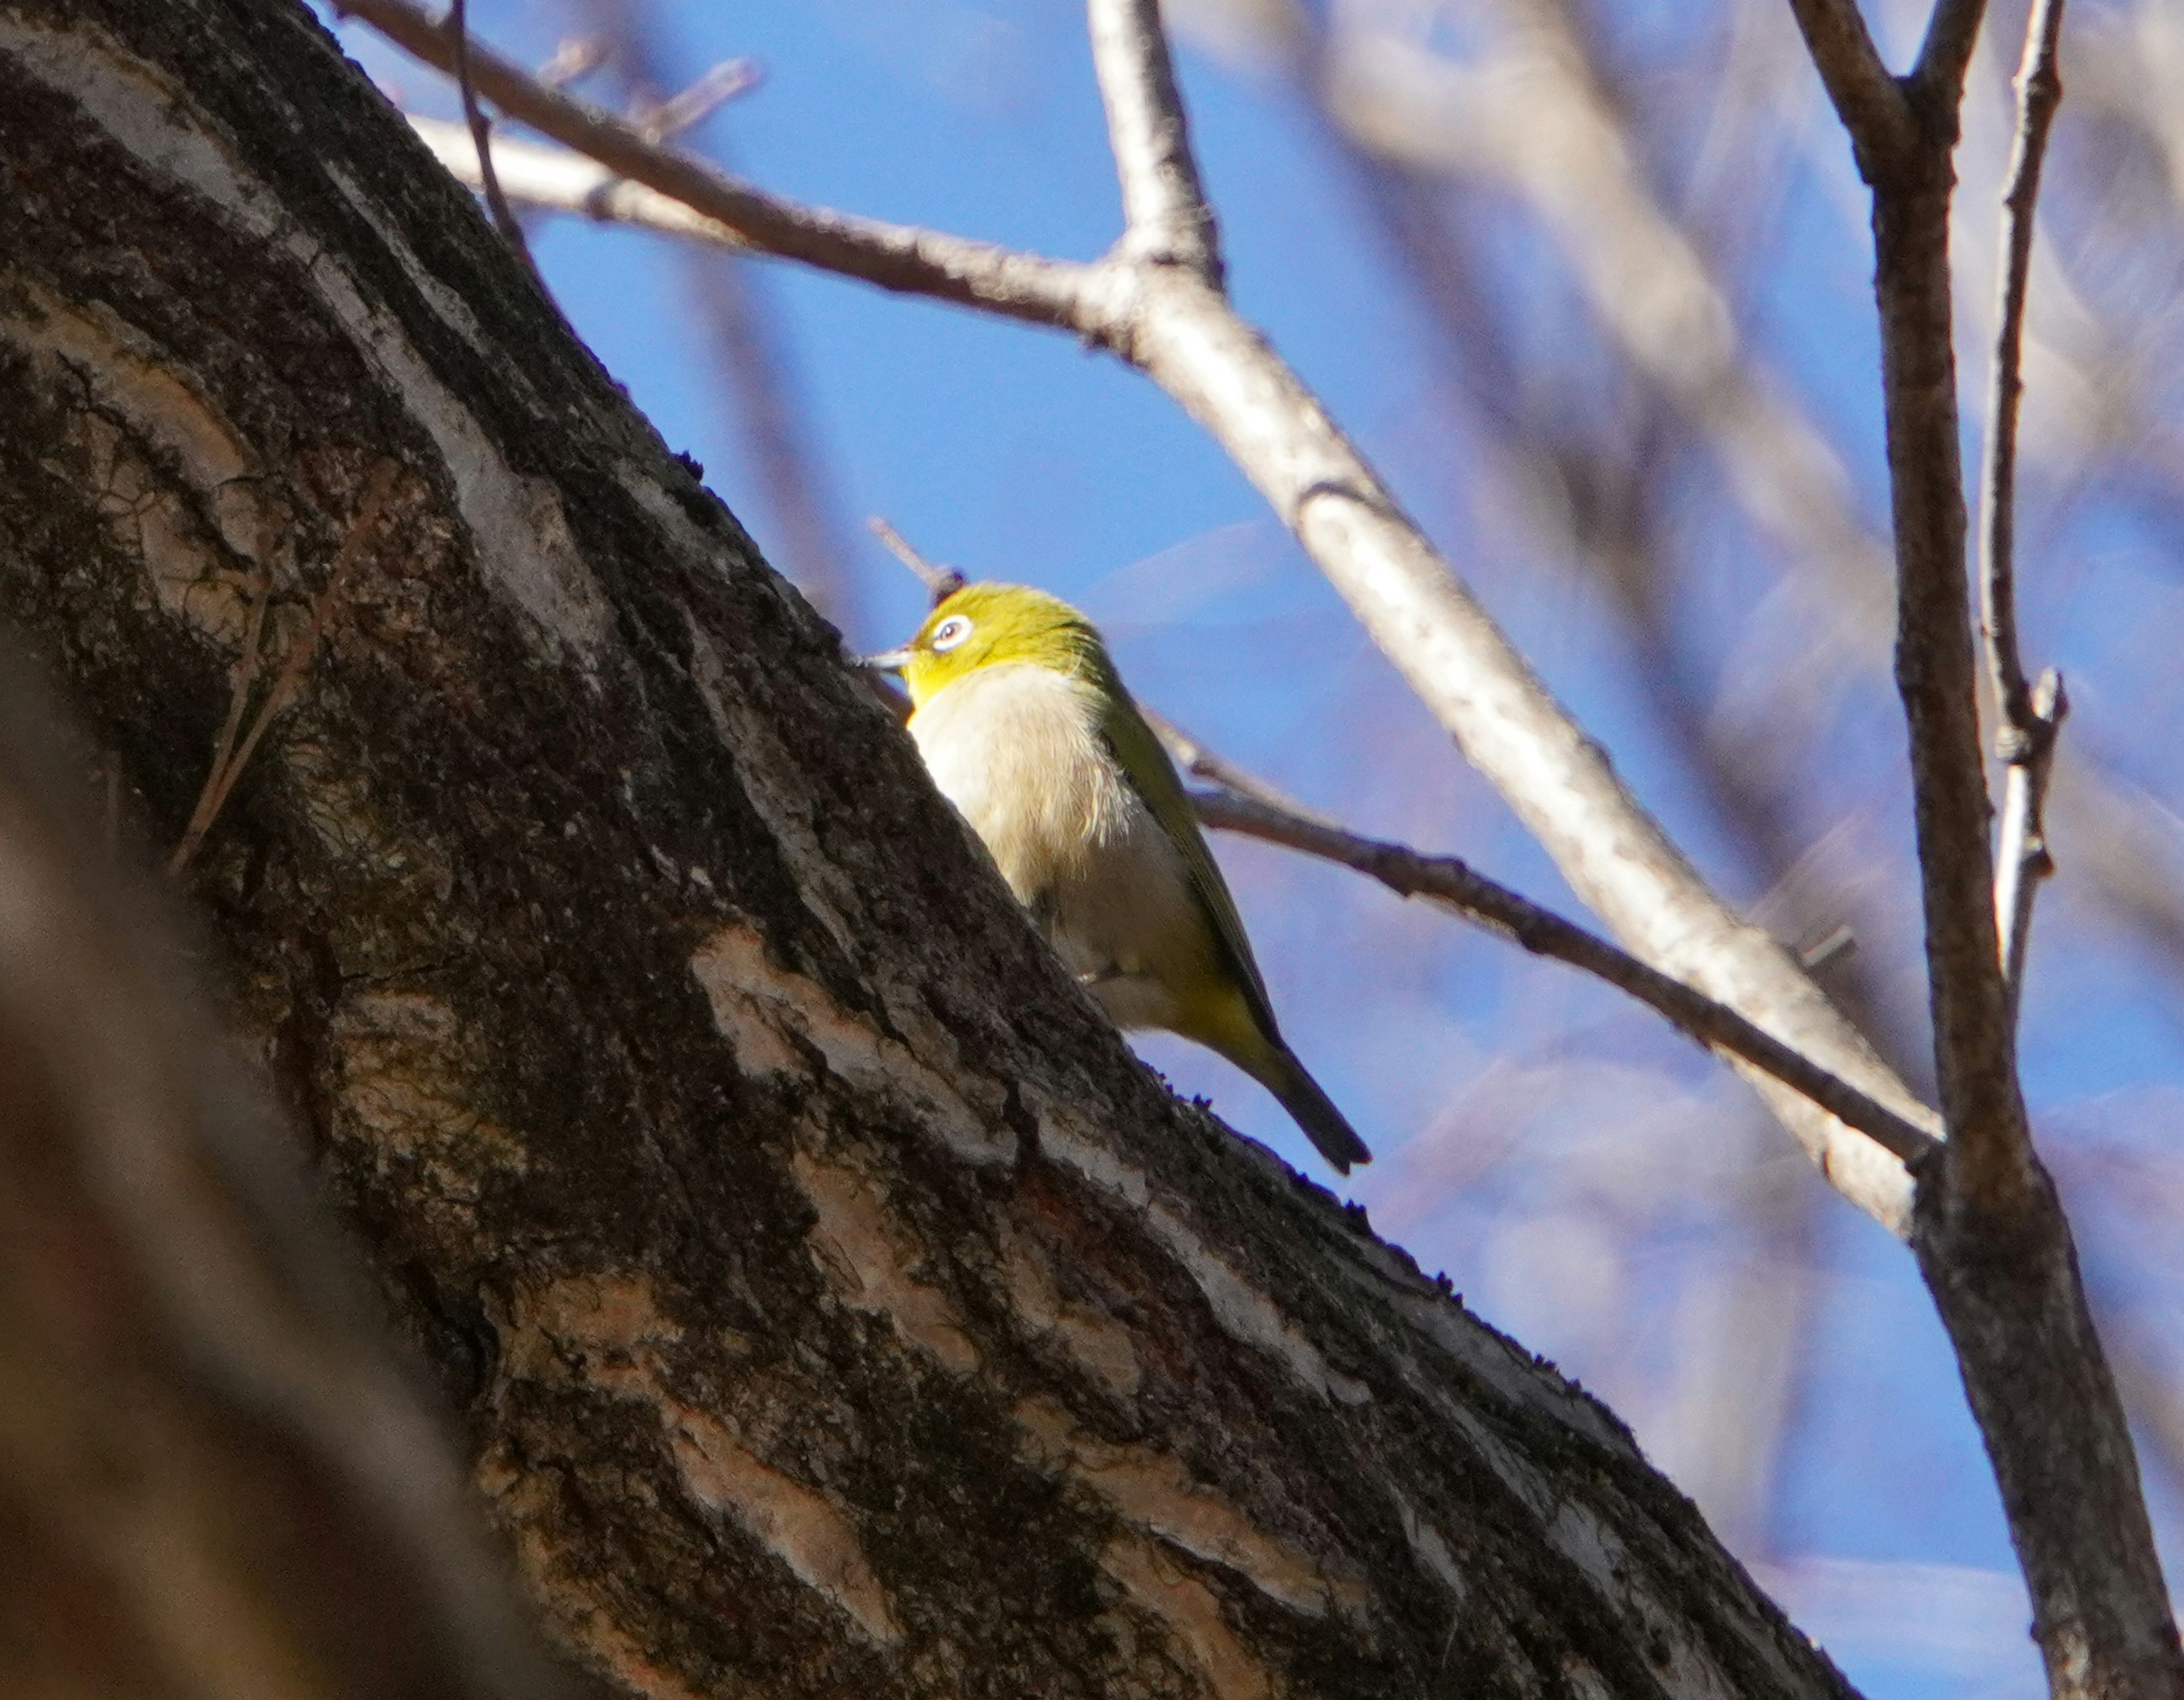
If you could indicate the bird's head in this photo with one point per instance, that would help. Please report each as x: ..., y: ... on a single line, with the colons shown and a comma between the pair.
x: 988, y: 625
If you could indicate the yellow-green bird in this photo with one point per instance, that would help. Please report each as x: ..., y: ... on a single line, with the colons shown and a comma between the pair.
x: 1027, y: 729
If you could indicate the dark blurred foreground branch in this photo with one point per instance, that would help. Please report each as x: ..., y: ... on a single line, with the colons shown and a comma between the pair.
x: 1156, y: 302
x: 1990, y: 1236
x: 213, y: 1478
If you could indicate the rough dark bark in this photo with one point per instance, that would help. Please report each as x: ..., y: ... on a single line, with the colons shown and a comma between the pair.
x: 834, y: 1305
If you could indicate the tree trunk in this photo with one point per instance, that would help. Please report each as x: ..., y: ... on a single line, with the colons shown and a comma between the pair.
x: 834, y: 1305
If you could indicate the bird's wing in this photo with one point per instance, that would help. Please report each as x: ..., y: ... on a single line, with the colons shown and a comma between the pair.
x: 1146, y: 762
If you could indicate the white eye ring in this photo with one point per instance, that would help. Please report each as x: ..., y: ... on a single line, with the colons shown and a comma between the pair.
x: 950, y: 632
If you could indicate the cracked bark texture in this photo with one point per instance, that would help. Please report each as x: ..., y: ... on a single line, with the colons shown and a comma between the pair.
x: 833, y: 1306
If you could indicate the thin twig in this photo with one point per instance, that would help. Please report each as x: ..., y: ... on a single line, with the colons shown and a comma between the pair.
x: 535, y: 174
x: 1454, y: 883
x: 2032, y: 715
x: 725, y: 83
x: 899, y: 257
x: 2022, y: 860
x: 482, y: 139
x: 228, y: 768
x: 1200, y: 762
x: 574, y: 58
x: 241, y: 677
x: 940, y: 582
x: 2039, y: 93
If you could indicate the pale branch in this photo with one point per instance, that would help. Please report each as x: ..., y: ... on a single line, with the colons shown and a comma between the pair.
x: 1454, y: 883
x: 2022, y: 860
x: 2032, y: 715
x: 941, y: 582
x: 1506, y: 721
x: 574, y: 58
x: 1166, y: 216
x: 1178, y: 328
x: 896, y: 257
x: 481, y: 131
x: 1200, y: 762
x: 560, y: 180
x: 730, y: 80
x: 1870, y: 101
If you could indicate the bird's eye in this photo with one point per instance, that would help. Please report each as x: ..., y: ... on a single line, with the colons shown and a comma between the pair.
x: 950, y: 632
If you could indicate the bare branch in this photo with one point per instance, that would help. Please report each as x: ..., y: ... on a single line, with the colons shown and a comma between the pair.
x: 1509, y: 726
x: 1952, y: 32
x: 228, y: 760
x: 1868, y: 100
x: 2031, y: 716
x: 1990, y: 1236
x: 942, y: 582
x: 1974, y: 1047
x: 574, y: 58
x: 2021, y: 857
x: 898, y: 257
x: 1454, y: 883
x: 724, y: 83
x: 1164, y: 213
x: 481, y: 138
x: 1200, y: 762
x: 2039, y: 93
x: 561, y: 180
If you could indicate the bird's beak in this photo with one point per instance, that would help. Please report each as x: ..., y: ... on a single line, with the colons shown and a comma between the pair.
x: 887, y: 662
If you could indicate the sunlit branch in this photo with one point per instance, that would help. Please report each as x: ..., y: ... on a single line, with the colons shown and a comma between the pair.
x: 2030, y: 716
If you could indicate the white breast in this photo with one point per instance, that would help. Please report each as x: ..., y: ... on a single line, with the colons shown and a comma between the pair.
x: 1016, y: 749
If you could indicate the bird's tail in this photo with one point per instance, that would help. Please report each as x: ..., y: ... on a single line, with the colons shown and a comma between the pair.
x: 1314, y: 1111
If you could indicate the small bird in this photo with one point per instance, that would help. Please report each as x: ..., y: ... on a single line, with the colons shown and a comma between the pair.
x: 1025, y: 727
